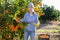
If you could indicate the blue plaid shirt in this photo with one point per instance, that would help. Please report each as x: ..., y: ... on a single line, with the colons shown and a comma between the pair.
x: 31, y: 19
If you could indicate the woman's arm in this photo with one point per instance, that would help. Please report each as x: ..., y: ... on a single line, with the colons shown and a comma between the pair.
x: 36, y: 20
x: 24, y: 19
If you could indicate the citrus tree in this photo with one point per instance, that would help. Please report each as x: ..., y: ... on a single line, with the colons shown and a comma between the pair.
x: 11, y: 10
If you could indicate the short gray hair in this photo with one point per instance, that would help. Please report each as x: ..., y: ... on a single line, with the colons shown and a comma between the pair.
x: 31, y: 5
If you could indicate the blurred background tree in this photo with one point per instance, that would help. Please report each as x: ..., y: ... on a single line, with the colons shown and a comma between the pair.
x: 50, y: 13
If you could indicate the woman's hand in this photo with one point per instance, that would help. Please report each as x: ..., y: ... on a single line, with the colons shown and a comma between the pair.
x: 37, y: 24
x: 17, y: 20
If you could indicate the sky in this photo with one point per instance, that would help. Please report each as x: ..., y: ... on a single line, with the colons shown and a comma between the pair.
x: 55, y: 3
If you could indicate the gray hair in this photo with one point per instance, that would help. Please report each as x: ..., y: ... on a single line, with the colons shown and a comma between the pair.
x: 31, y: 5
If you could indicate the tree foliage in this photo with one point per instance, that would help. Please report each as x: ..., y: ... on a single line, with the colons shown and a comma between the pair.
x: 50, y: 13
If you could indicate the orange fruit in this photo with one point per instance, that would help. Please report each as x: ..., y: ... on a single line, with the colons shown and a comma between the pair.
x: 7, y: 36
x: 44, y: 36
x: 40, y: 4
x: 16, y: 27
x: 0, y: 14
x: 22, y: 10
x: 40, y: 14
x: 12, y: 27
x: 7, y: 12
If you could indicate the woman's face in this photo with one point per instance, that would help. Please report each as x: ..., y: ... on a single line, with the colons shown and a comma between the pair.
x: 30, y: 9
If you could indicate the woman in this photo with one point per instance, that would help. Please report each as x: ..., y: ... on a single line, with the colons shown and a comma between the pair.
x: 32, y: 18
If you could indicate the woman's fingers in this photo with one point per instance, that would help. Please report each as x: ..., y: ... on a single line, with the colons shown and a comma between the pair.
x: 17, y: 21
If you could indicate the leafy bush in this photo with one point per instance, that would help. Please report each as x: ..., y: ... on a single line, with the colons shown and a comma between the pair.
x: 50, y: 13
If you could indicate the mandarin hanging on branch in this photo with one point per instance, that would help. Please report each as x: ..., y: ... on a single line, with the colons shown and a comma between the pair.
x: 16, y: 28
x: 32, y: 0
x: 7, y: 36
x: 22, y: 10
x: 41, y: 14
x: 7, y: 11
x: 12, y: 27
x: 0, y: 14
x: 40, y: 4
